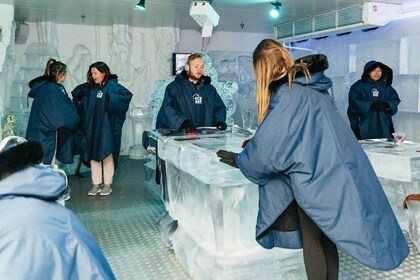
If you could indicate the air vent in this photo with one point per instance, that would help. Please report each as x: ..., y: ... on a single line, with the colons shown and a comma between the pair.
x: 363, y: 16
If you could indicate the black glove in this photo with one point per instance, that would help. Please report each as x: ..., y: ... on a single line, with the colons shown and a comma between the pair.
x: 188, y: 127
x: 245, y: 143
x: 227, y: 157
x: 221, y: 126
x: 107, y: 98
x: 380, y: 105
x: 78, y: 100
x: 80, y: 96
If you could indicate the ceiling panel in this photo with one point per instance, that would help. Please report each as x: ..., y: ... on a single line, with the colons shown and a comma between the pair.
x: 254, y: 14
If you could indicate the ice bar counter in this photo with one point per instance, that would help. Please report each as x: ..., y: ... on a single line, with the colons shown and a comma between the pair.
x: 215, y: 208
x: 398, y: 169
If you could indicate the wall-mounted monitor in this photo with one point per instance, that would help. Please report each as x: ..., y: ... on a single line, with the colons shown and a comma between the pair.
x: 178, y: 62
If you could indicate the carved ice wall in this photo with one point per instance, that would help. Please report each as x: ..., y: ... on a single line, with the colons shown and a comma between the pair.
x: 6, y: 58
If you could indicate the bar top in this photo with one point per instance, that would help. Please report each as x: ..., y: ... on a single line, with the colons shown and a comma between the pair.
x: 391, y: 163
x: 196, y: 154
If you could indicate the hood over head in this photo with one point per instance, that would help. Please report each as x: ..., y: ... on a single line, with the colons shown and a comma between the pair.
x: 387, y: 73
x: 16, y: 154
x: 21, y: 173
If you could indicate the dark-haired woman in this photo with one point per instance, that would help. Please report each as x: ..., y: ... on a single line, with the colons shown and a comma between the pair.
x: 372, y: 102
x: 53, y: 115
x: 102, y: 103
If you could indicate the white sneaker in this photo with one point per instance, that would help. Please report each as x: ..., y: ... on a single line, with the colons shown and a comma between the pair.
x: 106, y: 190
x: 95, y: 189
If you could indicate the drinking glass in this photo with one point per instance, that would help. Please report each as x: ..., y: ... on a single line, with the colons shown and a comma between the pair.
x: 399, y: 137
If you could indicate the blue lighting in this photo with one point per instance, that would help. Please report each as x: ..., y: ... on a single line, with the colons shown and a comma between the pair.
x: 141, y: 5
x: 275, y: 12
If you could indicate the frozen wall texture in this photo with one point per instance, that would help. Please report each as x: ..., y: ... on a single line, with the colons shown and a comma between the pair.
x: 141, y: 57
x: 6, y: 58
x: 396, y: 45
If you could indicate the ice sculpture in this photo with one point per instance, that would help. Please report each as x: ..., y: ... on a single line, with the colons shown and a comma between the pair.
x: 33, y: 65
x: 157, y: 99
x: 215, y: 208
x: 238, y: 68
x: 225, y: 89
x: 141, y: 118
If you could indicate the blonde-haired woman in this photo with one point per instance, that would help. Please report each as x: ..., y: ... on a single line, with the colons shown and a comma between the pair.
x: 53, y: 116
x: 317, y: 186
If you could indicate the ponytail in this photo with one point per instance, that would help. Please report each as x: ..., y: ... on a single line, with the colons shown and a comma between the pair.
x: 55, y: 69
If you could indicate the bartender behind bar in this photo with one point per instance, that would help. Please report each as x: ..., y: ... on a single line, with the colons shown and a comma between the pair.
x: 191, y: 101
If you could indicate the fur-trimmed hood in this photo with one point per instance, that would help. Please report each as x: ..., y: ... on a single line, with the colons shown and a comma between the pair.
x: 205, y: 80
x: 387, y: 73
x: 316, y: 64
x: 20, y: 171
x: 19, y: 157
x: 37, y: 85
x: 41, y: 80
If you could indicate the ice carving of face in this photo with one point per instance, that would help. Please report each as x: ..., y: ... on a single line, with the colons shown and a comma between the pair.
x: 375, y: 74
x: 195, y: 69
x: 97, y: 76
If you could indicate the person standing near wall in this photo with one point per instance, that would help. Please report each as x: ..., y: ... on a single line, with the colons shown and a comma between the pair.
x: 102, y: 103
x: 191, y: 101
x: 53, y: 116
x: 317, y: 188
x: 373, y: 102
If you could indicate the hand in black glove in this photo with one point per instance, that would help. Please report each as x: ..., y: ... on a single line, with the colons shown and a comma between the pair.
x: 380, y: 105
x: 221, y: 126
x: 188, y: 127
x: 245, y: 143
x: 107, y: 97
x: 227, y: 157
x: 78, y: 99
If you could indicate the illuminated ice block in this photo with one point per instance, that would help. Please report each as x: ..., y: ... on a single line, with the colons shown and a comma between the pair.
x: 215, y: 208
x: 397, y: 170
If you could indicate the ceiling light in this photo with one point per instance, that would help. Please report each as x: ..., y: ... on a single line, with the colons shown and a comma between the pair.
x: 141, y: 5
x: 275, y: 12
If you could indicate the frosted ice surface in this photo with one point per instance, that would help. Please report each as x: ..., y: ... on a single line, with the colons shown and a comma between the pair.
x: 413, y: 213
x: 398, y: 171
x: 216, y: 208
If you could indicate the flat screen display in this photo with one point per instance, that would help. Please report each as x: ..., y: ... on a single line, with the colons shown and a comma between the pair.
x: 178, y: 62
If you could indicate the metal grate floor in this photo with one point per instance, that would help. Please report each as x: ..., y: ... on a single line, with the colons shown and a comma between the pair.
x: 124, y: 225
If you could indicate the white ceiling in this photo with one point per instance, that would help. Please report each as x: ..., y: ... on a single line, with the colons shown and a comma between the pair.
x: 254, y: 14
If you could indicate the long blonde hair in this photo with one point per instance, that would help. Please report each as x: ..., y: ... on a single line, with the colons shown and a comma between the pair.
x: 271, y: 63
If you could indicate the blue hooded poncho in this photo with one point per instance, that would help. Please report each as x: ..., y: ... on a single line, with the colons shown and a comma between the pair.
x: 201, y: 104
x: 366, y: 121
x: 40, y: 238
x: 52, y: 119
x: 102, y: 119
x: 304, y: 151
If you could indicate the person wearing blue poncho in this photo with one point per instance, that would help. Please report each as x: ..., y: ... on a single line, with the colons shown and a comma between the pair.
x: 102, y: 103
x: 191, y: 101
x: 373, y: 102
x: 53, y: 116
x: 317, y: 188
x: 40, y: 238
